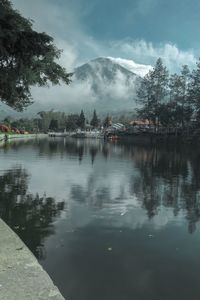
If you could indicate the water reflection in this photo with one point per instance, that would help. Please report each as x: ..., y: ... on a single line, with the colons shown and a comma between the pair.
x: 30, y: 216
x: 155, y: 176
x: 169, y: 177
x: 125, y: 226
x: 162, y: 176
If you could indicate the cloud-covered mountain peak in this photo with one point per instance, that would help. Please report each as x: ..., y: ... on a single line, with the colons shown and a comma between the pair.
x: 102, y: 68
x: 111, y: 85
x: 106, y: 84
x: 139, y: 69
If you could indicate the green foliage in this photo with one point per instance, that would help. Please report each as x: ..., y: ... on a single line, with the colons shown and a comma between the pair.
x: 171, y: 101
x: 53, y: 125
x: 152, y: 91
x: 107, y: 122
x: 30, y: 125
x: 81, y: 120
x: 48, y: 120
x: 95, y: 121
x: 194, y: 90
x: 46, y: 117
x: 27, y: 58
x: 72, y: 122
x: 75, y: 121
x: 179, y: 95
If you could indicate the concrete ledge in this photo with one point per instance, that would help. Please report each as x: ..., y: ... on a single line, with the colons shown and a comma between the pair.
x: 20, y: 137
x: 21, y: 276
x: 25, y: 136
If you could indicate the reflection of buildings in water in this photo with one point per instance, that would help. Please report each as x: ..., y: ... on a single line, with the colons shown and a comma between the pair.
x: 28, y: 215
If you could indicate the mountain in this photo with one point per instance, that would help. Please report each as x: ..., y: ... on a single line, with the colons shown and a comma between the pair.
x: 139, y: 69
x: 105, y: 84
x: 112, y: 86
x: 102, y: 68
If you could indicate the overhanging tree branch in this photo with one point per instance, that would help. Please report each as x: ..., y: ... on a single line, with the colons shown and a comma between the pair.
x: 27, y: 58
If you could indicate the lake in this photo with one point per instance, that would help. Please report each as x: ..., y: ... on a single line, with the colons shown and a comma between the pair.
x: 107, y: 220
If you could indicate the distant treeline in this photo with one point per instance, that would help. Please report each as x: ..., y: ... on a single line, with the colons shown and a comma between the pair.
x: 170, y: 100
x: 55, y: 121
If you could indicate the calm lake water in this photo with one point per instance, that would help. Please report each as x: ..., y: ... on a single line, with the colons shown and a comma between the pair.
x: 108, y: 221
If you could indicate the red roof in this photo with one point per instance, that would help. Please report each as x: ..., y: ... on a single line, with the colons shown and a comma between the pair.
x: 141, y: 122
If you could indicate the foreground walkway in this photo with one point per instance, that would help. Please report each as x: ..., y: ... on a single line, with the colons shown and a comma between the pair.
x: 21, y: 276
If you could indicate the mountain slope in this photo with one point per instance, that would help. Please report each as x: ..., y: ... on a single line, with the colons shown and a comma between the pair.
x: 103, y: 67
x: 112, y: 86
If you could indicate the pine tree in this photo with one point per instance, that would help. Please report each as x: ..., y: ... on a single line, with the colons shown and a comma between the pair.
x: 152, y: 91
x: 107, y: 122
x: 194, y: 91
x: 72, y: 122
x: 94, y: 122
x: 53, y: 125
x: 81, y: 120
x: 186, y: 107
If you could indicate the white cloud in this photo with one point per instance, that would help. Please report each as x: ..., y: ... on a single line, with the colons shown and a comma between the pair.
x: 61, y: 97
x: 138, y: 69
x: 62, y: 24
x: 69, y: 55
x: 118, y: 89
x: 148, y: 53
x: 117, y: 94
x: 70, y: 34
x: 78, y: 46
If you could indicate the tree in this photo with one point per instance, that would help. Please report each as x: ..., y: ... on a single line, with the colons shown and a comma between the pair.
x: 179, y: 95
x: 7, y: 121
x: 53, y: 125
x: 94, y: 122
x: 45, y: 119
x: 187, y: 108
x: 152, y: 91
x: 48, y: 116
x: 72, y: 122
x: 170, y: 114
x: 194, y: 91
x: 107, y: 122
x: 81, y: 120
x: 27, y: 58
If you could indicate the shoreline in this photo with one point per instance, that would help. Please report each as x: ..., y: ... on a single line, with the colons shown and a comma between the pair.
x: 158, y: 138
x: 21, y: 275
x: 6, y: 138
x: 141, y: 138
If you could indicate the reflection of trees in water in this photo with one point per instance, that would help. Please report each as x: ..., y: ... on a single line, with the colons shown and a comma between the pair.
x: 31, y: 217
x: 93, y: 153
x: 74, y: 147
x: 59, y: 147
x: 168, y: 177
x: 92, y: 194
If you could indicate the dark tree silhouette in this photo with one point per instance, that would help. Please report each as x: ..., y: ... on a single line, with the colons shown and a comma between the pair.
x: 27, y: 58
x: 81, y: 120
x: 94, y: 122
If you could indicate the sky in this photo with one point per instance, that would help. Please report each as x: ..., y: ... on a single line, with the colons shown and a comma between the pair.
x: 138, y: 30
x: 130, y: 32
